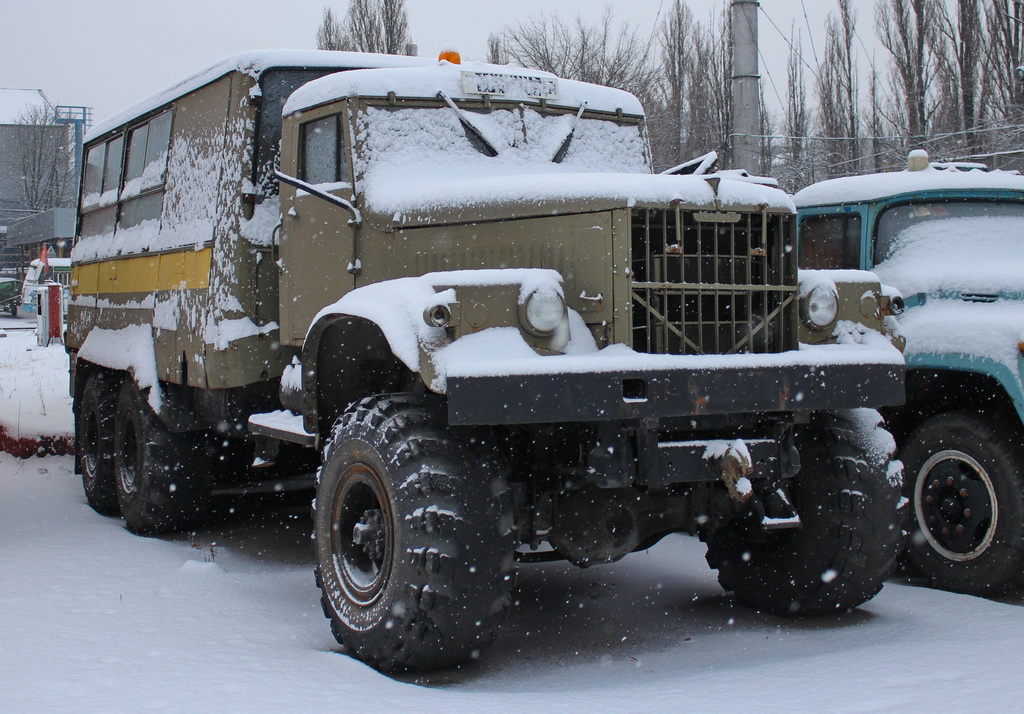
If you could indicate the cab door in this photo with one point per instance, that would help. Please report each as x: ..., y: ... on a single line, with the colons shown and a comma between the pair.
x: 317, y: 241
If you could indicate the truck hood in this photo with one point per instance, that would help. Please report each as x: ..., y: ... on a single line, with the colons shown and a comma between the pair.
x: 406, y: 201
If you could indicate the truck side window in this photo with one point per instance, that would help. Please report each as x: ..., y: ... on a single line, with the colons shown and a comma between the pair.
x: 831, y: 241
x: 102, y: 183
x: 145, y: 171
x: 323, y: 157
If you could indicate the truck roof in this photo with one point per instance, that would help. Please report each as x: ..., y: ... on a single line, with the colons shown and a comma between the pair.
x: 253, y: 63
x: 470, y: 80
x: 871, y: 187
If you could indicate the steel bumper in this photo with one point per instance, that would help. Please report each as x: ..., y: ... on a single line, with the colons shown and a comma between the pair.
x: 631, y: 395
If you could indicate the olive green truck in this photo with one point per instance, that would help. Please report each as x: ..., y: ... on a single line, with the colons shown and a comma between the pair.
x: 501, y: 339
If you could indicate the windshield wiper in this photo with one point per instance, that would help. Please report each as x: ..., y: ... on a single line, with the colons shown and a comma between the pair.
x: 470, y: 128
x: 564, y: 146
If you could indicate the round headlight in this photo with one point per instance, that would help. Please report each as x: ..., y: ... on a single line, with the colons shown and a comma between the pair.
x: 820, y: 307
x: 544, y: 312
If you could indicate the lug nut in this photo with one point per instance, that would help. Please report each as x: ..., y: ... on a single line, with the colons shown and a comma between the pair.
x: 960, y: 530
x: 949, y: 481
x: 928, y: 499
x: 963, y: 493
x: 967, y: 513
x: 945, y: 531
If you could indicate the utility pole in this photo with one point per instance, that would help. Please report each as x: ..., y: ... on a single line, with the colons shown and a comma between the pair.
x: 746, y: 109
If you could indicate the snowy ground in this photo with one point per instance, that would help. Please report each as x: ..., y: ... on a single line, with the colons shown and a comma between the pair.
x: 34, y: 397
x: 93, y: 618
x: 96, y: 619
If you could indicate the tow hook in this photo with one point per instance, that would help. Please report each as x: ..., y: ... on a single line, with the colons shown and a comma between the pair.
x: 730, y: 461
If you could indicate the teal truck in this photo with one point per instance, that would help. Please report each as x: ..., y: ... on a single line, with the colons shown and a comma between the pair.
x: 949, y: 237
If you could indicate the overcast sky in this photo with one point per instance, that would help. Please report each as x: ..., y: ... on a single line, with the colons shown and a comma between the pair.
x: 108, y: 54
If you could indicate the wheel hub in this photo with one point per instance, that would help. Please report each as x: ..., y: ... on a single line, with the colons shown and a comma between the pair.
x: 362, y: 538
x: 956, y: 505
x: 369, y: 533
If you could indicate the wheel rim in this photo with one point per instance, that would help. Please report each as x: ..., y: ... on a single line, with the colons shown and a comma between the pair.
x: 956, y: 505
x: 129, y: 451
x: 362, y: 537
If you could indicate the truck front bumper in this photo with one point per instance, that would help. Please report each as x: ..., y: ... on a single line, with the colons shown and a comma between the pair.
x: 625, y: 394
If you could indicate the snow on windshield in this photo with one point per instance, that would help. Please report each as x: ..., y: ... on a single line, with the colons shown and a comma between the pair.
x: 978, y: 253
x: 405, y: 151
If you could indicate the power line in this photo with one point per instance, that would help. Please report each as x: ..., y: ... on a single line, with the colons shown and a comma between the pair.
x: 810, y: 34
x: 926, y: 138
x: 785, y: 39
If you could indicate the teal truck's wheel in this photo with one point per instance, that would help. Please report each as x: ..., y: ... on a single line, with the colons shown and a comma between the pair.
x: 413, y: 537
x: 847, y: 496
x: 965, y: 479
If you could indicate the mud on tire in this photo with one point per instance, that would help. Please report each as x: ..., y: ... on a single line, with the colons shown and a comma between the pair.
x: 964, y: 478
x: 413, y: 536
x: 847, y: 494
x: 162, y: 478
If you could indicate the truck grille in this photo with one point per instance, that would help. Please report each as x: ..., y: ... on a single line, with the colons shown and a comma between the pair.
x: 713, y: 282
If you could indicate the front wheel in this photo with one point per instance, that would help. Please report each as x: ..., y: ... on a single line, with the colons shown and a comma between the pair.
x: 965, y: 479
x: 413, y: 536
x: 847, y: 494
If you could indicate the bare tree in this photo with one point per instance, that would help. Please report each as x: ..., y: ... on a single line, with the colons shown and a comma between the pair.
x: 496, y: 52
x: 331, y: 33
x: 370, y: 26
x: 838, y: 96
x: 907, y: 29
x: 1005, y: 45
x: 709, y: 103
x: 46, y: 159
x: 603, y: 53
x: 669, y: 113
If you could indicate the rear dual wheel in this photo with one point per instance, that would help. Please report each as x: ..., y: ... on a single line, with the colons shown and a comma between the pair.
x: 162, y: 479
x: 94, y: 443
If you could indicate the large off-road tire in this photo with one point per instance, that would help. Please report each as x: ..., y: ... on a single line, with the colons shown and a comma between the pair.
x: 162, y: 478
x: 94, y: 443
x: 964, y: 476
x: 847, y: 494
x: 413, y: 536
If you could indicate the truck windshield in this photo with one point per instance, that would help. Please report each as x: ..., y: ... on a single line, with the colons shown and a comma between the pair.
x: 943, y: 221
x: 524, y: 140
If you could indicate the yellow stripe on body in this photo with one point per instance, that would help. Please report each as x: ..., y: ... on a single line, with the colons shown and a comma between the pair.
x: 144, y: 274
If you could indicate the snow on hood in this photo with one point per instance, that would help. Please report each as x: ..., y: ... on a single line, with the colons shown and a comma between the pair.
x: 990, y: 330
x: 410, y: 201
x: 963, y: 254
x: 445, y: 77
x: 253, y: 63
x: 871, y: 187
x: 417, y: 165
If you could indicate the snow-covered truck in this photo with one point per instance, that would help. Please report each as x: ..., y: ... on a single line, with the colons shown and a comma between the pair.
x: 948, y: 236
x: 461, y: 289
